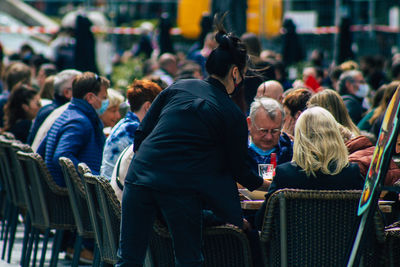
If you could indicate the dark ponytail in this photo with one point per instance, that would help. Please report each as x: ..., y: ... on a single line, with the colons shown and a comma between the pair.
x: 230, y: 51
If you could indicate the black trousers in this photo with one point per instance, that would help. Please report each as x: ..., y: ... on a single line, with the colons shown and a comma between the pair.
x: 182, y: 213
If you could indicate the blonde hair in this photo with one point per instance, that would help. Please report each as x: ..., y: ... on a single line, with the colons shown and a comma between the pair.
x: 114, y: 97
x: 318, y: 144
x: 333, y: 102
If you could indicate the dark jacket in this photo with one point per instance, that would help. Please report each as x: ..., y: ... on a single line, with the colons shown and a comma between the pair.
x: 289, y: 175
x: 194, y: 138
x: 77, y: 134
x: 354, y: 107
x: 20, y: 130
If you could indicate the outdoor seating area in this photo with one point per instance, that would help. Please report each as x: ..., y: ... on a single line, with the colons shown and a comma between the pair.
x: 301, y: 227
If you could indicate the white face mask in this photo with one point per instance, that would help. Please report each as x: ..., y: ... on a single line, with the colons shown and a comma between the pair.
x: 363, y: 90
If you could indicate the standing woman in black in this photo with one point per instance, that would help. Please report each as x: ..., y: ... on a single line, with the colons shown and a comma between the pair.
x: 190, y: 150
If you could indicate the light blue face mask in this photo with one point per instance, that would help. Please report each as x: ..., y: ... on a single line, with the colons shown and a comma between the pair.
x: 103, y: 108
x: 261, y: 152
x: 363, y: 90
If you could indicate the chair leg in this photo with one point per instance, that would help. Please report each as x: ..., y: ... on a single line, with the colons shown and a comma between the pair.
x: 12, y: 234
x: 8, y: 225
x: 3, y: 220
x: 45, y: 241
x: 96, y: 257
x: 30, y: 246
x: 37, y: 239
x: 56, y: 248
x: 77, y: 251
x: 27, y: 231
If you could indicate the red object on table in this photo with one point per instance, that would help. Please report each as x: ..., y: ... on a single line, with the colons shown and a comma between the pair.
x: 273, y: 161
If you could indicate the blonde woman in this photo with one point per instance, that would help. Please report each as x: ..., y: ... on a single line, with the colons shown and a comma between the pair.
x: 332, y: 101
x: 111, y: 116
x: 320, y: 158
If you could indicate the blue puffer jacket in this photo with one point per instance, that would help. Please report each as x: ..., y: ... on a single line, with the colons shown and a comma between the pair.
x: 77, y: 134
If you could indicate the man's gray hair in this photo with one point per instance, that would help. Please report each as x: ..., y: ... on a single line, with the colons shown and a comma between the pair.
x: 62, y: 78
x: 347, y: 76
x: 271, y: 106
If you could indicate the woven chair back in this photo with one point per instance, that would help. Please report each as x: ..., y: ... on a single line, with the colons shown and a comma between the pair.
x: 89, y: 182
x: 77, y: 197
x: 37, y: 208
x: 313, y: 228
x: 111, y: 218
x: 56, y: 197
x: 11, y: 170
x: 222, y: 246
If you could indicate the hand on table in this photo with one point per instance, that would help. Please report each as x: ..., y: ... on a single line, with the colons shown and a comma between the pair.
x: 265, y: 186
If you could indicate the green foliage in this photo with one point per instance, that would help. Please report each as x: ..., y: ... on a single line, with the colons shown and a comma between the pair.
x: 125, y: 72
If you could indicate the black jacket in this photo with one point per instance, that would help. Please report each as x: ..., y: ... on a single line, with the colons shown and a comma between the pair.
x: 354, y: 107
x: 290, y: 175
x: 194, y: 138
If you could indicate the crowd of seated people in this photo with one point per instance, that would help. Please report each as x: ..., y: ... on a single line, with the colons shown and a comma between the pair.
x: 319, y: 134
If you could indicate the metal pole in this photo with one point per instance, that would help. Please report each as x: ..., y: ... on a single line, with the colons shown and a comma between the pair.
x: 371, y: 14
x: 288, y: 5
x: 336, y: 37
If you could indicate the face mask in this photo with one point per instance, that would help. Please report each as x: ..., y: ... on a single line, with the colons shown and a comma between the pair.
x: 238, y: 86
x: 363, y: 90
x: 103, y: 108
x: 261, y: 152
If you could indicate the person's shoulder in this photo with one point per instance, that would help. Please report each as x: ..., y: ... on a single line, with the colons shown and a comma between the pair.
x: 183, y: 83
x: 285, y: 140
x: 74, y: 118
x: 288, y: 174
x: 352, y: 168
x: 287, y: 169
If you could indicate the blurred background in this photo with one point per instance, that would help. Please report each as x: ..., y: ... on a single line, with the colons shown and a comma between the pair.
x: 339, y: 29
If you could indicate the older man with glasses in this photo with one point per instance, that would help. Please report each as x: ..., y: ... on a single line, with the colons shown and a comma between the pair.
x: 265, y: 123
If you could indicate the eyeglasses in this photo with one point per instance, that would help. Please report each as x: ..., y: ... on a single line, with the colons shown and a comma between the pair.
x: 274, y: 131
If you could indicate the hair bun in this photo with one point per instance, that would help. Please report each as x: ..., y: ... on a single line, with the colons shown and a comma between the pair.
x: 223, y: 40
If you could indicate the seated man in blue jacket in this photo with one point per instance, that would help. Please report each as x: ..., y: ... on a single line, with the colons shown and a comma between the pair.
x: 265, y: 123
x: 78, y: 133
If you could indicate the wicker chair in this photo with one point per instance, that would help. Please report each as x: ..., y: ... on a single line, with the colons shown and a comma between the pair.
x: 392, y: 233
x: 14, y: 184
x: 316, y: 228
x: 51, y: 201
x: 105, y: 214
x: 223, y: 246
x: 77, y: 197
x: 94, y: 216
x: 11, y: 209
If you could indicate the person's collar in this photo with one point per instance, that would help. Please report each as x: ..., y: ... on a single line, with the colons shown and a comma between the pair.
x: 60, y: 100
x: 132, y: 116
x: 216, y: 83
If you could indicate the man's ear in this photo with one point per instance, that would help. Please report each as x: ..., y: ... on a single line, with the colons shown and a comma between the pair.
x: 146, y: 105
x: 67, y: 93
x: 89, y: 98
